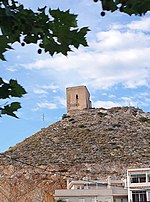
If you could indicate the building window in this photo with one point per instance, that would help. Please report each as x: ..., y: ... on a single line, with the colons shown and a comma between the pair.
x: 148, y: 196
x: 148, y: 177
x: 93, y: 199
x: 139, y: 178
x: 81, y: 200
x: 66, y: 200
x: 139, y: 196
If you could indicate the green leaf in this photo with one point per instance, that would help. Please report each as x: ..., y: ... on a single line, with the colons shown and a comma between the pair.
x: 1, y: 81
x: 136, y: 7
x: 10, y: 109
x: 8, y: 90
x: 80, y: 37
x: 64, y: 17
x: 4, y: 91
x: 11, y: 89
x: 4, y: 46
x: 16, y: 89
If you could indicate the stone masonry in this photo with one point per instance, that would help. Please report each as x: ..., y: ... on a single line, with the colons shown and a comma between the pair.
x: 78, y: 98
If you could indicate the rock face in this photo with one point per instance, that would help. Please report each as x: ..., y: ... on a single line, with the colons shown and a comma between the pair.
x: 94, y: 143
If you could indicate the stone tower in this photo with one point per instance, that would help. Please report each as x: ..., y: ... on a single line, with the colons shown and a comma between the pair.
x: 78, y: 98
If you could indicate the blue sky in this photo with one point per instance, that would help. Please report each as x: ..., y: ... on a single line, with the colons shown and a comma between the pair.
x: 115, y: 68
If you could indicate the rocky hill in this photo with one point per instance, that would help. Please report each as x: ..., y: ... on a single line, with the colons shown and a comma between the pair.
x: 113, y: 139
x: 91, y: 143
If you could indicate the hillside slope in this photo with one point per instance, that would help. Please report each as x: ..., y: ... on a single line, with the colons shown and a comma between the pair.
x: 119, y: 136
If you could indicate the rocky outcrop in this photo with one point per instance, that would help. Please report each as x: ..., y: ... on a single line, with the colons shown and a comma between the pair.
x: 94, y: 143
x: 22, y: 183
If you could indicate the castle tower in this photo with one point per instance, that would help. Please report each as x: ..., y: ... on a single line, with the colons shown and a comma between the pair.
x: 78, y: 98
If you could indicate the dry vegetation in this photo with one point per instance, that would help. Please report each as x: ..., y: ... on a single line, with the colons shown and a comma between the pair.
x: 95, y: 142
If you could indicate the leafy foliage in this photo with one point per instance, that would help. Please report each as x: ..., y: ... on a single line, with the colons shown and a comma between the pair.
x: 137, y: 7
x: 54, y: 31
x: 9, y: 90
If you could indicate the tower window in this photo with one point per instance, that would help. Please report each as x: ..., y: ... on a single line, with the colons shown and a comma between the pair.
x: 77, y: 97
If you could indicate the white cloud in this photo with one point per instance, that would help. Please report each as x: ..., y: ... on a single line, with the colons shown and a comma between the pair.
x: 105, y: 104
x: 116, y: 26
x: 60, y: 100
x: 44, y: 89
x: 124, y: 101
x: 121, y: 40
x: 141, y: 99
x: 114, y: 57
x: 12, y: 68
x: 40, y: 91
x: 56, y: 102
x: 128, y: 101
x: 46, y: 105
x: 143, y: 24
x: 111, y: 96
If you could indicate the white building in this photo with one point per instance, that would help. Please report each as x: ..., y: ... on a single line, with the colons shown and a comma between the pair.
x: 138, y: 182
x: 136, y: 188
x: 93, y: 191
